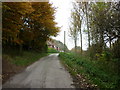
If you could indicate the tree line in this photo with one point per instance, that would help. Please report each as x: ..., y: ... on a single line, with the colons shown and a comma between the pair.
x: 102, y: 26
x: 100, y: 21
x: 27, y: 25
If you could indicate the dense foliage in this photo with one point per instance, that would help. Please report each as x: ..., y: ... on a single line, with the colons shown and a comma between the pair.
x: 102, y: 24
x: 104, y: 27
x: 27, y: 25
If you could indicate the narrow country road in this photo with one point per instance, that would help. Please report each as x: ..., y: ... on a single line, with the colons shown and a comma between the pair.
x: 45, y: 73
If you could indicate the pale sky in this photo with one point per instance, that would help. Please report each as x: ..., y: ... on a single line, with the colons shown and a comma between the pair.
x: 62, y: 17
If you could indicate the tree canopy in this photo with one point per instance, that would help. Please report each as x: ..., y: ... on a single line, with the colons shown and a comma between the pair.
x: 28, y: 24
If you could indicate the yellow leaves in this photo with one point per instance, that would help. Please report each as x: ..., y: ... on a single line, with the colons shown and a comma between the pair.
x: 18, y: 41
x: 97, y: 55
x: 21, y: 7
x: 27, y: 21
x: 5, y: 7
x: 27, y: 8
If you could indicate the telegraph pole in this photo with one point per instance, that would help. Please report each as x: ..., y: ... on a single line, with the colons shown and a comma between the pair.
x: 64, y: 41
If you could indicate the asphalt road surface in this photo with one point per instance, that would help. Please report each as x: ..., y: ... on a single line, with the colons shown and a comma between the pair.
x: 47, y: 72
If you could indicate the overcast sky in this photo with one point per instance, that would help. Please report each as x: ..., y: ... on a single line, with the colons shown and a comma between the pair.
x: 62, y: 17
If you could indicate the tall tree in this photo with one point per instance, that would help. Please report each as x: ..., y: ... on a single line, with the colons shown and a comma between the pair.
x: 32, y: 25
x: 73, y: 28
x: 12, y: 21
x: 76, y: 22
x: 85, y: 10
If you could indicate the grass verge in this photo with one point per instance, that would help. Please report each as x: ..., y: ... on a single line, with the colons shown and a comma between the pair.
x: 100, y: 73
x: 25, y: 59
x: 13, y: 63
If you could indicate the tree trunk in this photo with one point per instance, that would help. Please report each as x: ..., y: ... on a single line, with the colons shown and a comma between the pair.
x: 87, y: 25
x: 75, y: 41
x: 21, y: 48
x: 81, y: 40
x: 102, y: 46
x: 110, y: 42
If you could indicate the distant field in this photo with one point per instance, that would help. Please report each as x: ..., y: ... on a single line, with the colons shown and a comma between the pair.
x: 51, y: 50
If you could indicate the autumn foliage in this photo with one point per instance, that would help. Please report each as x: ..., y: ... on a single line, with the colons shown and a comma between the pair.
x: 28, y: 25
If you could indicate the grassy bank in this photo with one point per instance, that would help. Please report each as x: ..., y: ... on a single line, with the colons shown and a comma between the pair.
x: 27, y: 57
x: 102, y: 73
x: 13, y: 62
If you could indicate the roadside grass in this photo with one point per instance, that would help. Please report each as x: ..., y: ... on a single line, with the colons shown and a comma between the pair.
x: 24, y: 59
x: 14, y: 62
x: 104, y: 74
x: 51, y: 50
x: 28, y: 58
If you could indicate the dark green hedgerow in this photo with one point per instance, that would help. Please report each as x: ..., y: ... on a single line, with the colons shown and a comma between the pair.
x: 102, y: 73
